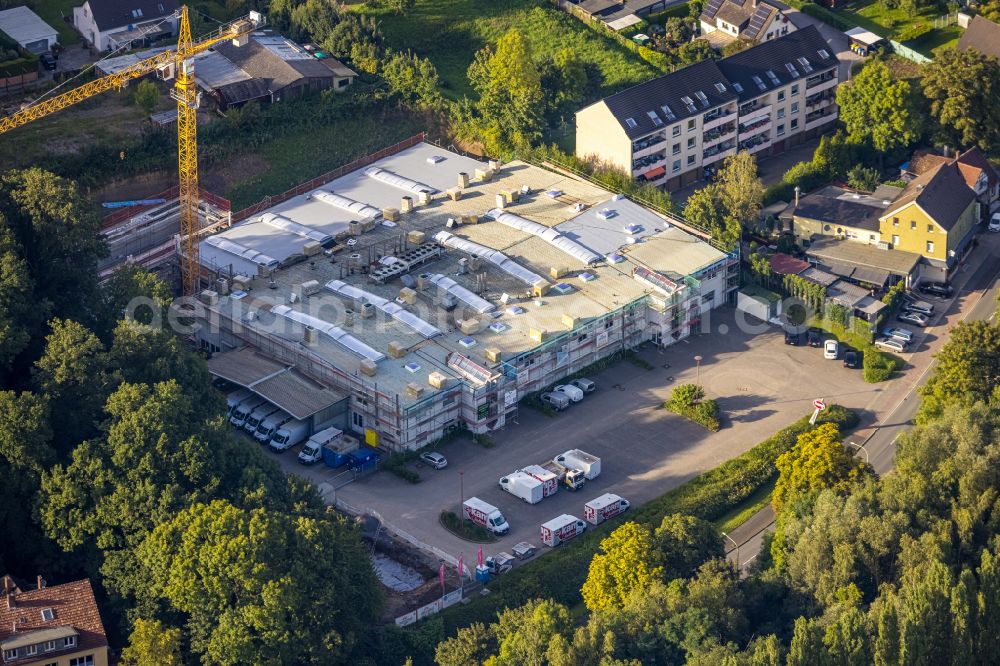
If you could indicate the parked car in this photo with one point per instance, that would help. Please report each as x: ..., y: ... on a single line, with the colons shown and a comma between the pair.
x: 584, y: 384
x: 913, y: 317
x: 557, y: 401
x: 852, y: 359
x: 903, y: 334
x: 524, y: 550
x: 831, y: 350
x: 570, y: 391
x: 891, y: 345
x: 434, y: 459
x: 914, y: 304
x: 939, y: 289
x: 994, y: 225
x: 814, y: 337
x: 793, y: 338
x: 48, y: 61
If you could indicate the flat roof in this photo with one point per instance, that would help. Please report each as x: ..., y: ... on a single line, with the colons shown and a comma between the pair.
x: 25, y: 26
x: 866, y: 37
x: 834, y: 251
x: 38, y: 636
x: 563, y: 206
x: 118, y: 63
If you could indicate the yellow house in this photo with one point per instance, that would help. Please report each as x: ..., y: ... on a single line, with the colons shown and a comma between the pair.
x: 933, y: 217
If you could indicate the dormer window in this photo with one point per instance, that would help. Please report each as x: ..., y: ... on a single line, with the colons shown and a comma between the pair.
x: 10, y: 655
x: 70, y: 641
x: 47, y: 615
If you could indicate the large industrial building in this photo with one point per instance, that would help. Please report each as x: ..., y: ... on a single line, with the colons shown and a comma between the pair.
x: 429, y: 291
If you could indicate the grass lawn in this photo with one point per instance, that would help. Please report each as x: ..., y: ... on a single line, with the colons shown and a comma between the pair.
x: 52, y: 12
x: 449, y: 32
x: 741, y: 513
x: 316, y: 150
x: 887, y: 22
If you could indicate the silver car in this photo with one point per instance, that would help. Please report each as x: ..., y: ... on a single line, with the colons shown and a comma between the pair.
x: 584, y: 384
x: 890, y: 345
x: 904, y: 335
x: 434, y: 459
x: 913, y: 317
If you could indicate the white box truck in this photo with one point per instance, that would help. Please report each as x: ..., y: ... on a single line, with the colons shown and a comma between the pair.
x: 485, y: 515
x: 312, y: 452
x: 243, y: 411
x: 258, y: 415
x: 573, y: 479
x: 289, y: 434
x: 235, y: 398
x: 549, y: 479
x: 581, y: 460
x: 599, y: 509
x: 560, y: 529
x: 270, y: 425
x: 523, y: 486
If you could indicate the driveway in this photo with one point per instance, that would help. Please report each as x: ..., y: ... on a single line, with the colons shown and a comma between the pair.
x: 835, y: 38
x: 761, y: 384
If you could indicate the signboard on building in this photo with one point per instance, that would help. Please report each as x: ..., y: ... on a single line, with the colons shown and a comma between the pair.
x: 602, y: 339
x: 509, y: 398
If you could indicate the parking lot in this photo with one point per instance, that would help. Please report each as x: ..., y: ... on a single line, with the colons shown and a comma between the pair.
x: 761, y: 385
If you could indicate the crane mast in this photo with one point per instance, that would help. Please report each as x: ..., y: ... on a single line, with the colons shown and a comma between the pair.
x: 179, y: 65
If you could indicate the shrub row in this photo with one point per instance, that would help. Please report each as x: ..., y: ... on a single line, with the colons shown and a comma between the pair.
x: 827, y: 16
x: 704, y: 413
x: 560, y: 574
x: 466, y: 529
x: 396, y: 463
x: 878, y: 366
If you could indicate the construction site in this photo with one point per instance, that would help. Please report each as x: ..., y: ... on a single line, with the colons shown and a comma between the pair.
x: 435, y: 291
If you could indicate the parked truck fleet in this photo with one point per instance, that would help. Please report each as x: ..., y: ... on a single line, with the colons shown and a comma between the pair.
x: 536, y: 482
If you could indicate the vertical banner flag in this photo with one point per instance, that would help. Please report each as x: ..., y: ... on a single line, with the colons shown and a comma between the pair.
x: 442, y: 577
x: 479, y: 557
x: 460, y: 556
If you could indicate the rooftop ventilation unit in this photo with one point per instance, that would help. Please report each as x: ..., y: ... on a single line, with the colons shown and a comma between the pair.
x: 282, y: 222
x: 548, y: 234
x: 498, y: 259
x: 355, y: 208
x: 242, y: 251
x: 480, y: 305
x: 335, y: 333
x: 399, y: 182
x: 392, y: 309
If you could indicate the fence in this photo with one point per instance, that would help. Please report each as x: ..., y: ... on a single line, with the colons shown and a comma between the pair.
x: 318, y: 181
x: 114, y: 219
x: 908, y: 53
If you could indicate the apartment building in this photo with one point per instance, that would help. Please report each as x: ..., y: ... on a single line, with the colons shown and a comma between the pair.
x: 675, y: 129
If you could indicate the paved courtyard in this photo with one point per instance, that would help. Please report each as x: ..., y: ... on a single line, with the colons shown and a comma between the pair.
x: 761, y: 384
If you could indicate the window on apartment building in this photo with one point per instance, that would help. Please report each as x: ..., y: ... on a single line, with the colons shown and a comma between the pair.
x: 10, y: 654
x: 82, y: 661
x: 357, y: 420
x: 691, y: 124
x: 895, y: 240
x: 895, y: 221
x: 677, y: 166
x: 795, y: 107
x: 781, y: 129
x: 676, y: 131
x: 690, y: 160
x: 930, y: 228
x: 795, y: 89
x: 609, y: 322
x: 871, y: 237
x: 781, y: 95
x: 781, y: 114
x: 31, y: 650
x: 930, y: 246
x: 50, y: 646
x: 676, y: 149
x: 70, y: 641
x: 690, y: 142
x: 913, y: 224
x: 794, y: 125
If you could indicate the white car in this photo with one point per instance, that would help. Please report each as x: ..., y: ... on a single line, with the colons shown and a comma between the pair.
x: 831, y: 350
x: 570, y: 391
x: 994, y: 225
x: 434, y: 459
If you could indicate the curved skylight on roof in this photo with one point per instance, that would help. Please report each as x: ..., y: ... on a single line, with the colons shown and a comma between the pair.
x: 392, y: 309
x: 242, y: 251
x: 282, y: 222
x: 362, y: 210
x: 499, y: 259
x: 480, y: 305
x: 400, y: 182
x: 549, y: 234
x: 335, y: 333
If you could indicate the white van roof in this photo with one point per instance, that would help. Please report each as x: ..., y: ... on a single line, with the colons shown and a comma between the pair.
x: 479, y: 504
x: 559, y: 522
x: 607, y: 499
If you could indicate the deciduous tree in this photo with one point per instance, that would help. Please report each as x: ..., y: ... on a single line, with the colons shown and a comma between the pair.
x: 879, y: 109
x: 817, y: 461
x: 740, y: 189
x: 686, y: 542
x: 963, y: 88
x: 627, y: 561
x: 153, y: 644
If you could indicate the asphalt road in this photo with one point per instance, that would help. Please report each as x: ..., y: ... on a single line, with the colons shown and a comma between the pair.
x: 879, y: 448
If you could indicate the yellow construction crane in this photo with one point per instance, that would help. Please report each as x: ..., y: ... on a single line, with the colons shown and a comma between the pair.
x: 178, y: 65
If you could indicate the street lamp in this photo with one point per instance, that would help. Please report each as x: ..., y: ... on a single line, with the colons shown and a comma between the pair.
x: 697, y: 371
x: 862, y: 449
x: 461, y: 485
x: 737, y: 549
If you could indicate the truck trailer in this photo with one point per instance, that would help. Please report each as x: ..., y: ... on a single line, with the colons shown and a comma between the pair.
x: 577, y: 459
x: 522, y: 485
x: 608, y: 505
x: 548, y: 478
x: 485, y: 515
x: 560, y: 529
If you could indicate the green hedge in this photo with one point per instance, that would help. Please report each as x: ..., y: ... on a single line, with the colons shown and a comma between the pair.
x: 704, y: 413
x: 18, y: 66
x: 827, y: 16
x: 560, y: 575
x: 878, y: 366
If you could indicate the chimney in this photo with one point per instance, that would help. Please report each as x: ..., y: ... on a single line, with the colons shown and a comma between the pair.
x: 41, y: 582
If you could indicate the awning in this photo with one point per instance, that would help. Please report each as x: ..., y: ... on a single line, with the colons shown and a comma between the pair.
x: 654, y: 173
x: 863, y: 36
x: 874, y: 276
x: 274, y: 381
x: 624, y: 22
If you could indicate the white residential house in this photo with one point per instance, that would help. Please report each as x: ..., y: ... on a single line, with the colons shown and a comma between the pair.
x: 110, y: 24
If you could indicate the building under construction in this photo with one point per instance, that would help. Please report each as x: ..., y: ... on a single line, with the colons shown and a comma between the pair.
x: 428, y: 290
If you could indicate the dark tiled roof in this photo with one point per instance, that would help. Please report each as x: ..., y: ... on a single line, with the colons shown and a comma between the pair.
x: 838, y: 212
x: 974, y: 157
x: 636, y: 102
x: 982, y: 35
x: 736, y: 14
x: 110, y: 14
x: 774, y: 55
x: 73, y: 605
x: 942, y: 193
x: 261, y: 63
x: 598, y: 7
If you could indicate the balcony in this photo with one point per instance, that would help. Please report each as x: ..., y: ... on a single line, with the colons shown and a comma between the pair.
x: 717, y: 136
x: 820, y: 117
x: 824, y: 98
x: 754, y: 112
x: 644, y: 146
x: 756, y: 143
x: 716, y: 118
x: 824, y: 81
x: 756, y: 127
x: 644, y: 163
x: 713, y: 155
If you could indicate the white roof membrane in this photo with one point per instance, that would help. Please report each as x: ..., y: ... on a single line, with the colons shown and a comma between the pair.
x: 282, y: 222
x: 337, y: 334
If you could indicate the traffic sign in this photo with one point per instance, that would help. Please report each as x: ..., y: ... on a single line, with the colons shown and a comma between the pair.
x: 819, y: 404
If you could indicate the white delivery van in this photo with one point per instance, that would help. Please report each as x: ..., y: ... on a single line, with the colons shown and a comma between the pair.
x: 523, y: 486
x: 581, y: 460
x: 608, y: 505
x: 485, y: 515
x: 289, y: 434
x: 258, y: 415
x: 312, y: 452
x: 550, y: 480
x: 268, y: 426
x: 560, y: 529
x: 574, y: 393
x: 242, y: 411
x: 235, y: 398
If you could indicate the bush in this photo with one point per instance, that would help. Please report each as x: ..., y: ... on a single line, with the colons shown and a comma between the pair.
x: 396, y: 463
x: 465, y: 529
x: 878, y: 366
x: 827, y: 16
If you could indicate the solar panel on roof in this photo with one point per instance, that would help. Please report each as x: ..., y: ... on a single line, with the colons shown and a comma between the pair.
x: 712, y: 8
x: 757, y: 22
